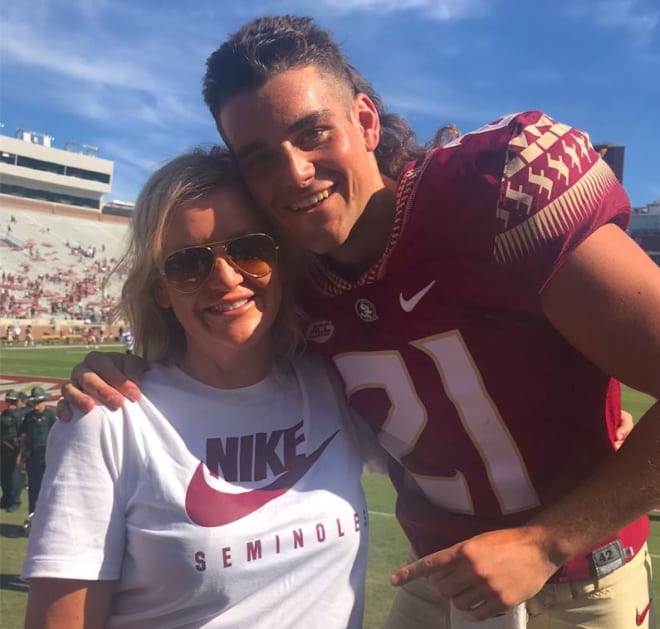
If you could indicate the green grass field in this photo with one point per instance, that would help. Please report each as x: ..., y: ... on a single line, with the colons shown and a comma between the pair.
x: 387, y: 547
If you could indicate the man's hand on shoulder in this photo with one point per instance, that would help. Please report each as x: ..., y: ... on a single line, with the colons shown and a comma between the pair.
x: 104, y: 377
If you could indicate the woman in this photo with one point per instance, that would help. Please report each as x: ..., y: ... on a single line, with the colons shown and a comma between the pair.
x: 229, y: 495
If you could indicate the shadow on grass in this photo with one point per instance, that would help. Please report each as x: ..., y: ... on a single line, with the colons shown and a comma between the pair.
x: 11, y: 530
x: 13, y: 583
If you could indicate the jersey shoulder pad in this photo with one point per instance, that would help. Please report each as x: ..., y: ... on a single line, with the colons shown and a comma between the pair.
x: 553, y: 182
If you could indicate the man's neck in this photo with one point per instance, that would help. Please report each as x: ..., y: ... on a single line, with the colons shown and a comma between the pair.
x: 369, y: 236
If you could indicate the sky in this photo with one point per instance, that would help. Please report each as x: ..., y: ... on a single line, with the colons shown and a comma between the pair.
x: 125, y: 75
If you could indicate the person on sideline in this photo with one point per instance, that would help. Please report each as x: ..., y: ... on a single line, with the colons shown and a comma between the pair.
x: 128, y: 339
x: 477, y: 300
x: 33, y: 435
x: 10, y: 424
x: 229, y: 495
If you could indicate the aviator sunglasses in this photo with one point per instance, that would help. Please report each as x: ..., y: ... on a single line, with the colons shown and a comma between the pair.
x: 188, y: 268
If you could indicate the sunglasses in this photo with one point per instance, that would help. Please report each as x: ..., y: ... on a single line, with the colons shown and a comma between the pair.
x: 187, y: 269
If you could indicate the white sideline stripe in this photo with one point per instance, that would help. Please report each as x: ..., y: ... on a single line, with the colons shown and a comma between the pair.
x: 654, y: 556
x: 386, y: 515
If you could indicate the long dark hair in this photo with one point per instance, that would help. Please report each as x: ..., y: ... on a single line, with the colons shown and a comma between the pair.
x: 268, y: 46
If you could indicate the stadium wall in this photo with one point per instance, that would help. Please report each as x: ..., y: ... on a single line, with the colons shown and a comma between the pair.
x: 60, y: 209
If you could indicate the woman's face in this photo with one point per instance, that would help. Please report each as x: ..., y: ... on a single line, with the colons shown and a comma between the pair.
x: 227, y: 321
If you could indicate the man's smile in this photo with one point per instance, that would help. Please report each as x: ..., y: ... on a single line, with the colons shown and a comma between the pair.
x: 308, y: 202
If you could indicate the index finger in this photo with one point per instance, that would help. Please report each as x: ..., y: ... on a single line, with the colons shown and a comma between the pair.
x: 439, y: 564
x: 72, y: 398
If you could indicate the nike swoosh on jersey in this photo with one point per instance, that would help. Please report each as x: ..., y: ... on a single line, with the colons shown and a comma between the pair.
x: 207, y: 506
x: 409, y: 304
x: 641, y: 616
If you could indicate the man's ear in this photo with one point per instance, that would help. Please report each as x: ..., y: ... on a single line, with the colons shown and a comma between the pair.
x: 161, y: 295
x: 367, y: 117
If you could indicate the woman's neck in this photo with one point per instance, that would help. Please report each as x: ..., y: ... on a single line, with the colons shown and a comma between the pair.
x: 232, y: 372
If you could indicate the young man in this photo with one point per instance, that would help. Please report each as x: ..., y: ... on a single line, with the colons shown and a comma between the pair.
x: 476, y: 303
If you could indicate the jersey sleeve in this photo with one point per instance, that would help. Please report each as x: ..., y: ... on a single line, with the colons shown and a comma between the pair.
x: 78, y: 528
x: 554, y: 192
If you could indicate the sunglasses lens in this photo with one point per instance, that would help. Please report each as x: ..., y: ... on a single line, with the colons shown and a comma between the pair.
x: 255, y: 254
x: 187, y: 269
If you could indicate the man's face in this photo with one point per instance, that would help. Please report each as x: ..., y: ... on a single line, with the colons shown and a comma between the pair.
x: 305, y: 148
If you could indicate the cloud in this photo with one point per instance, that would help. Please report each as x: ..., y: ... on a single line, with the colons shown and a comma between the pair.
x: 134, y: 161
x: 117, y: 66
x: 102, y: 75
x: 540, y: 75
x: 135, y: 154
x: 31, y: 51
x: 427, y: 96
x: 625, y: 15
x: 136, y: 158
x: 442, y: 109
x: 33, y: 46
x: 443, y: 10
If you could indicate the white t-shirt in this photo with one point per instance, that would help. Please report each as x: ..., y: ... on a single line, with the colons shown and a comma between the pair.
x: 276, y: 539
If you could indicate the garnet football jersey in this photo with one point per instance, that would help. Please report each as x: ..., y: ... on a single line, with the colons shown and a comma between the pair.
x: 443, y: 346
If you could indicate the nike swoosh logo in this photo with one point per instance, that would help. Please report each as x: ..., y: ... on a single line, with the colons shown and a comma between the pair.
x: 641, y: 616
x: 207, y: 506
x: 409, y: 304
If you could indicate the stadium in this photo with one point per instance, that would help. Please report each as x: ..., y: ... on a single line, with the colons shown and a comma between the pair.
x: 645, y: 221
x: 58, y: 243
x: 60, y: 246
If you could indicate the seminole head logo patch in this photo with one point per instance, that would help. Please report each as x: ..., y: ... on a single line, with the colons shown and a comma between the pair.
x: 320, y: 331
x: 366, y: 310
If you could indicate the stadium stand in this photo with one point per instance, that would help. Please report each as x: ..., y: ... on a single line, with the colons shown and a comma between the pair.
x: 645, y: 228
x: 54, y: 266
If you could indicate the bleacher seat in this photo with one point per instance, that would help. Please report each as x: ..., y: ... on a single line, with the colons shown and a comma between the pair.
x: 35, y: 244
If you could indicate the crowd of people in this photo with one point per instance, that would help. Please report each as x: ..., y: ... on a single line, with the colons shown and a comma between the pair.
x: 479, y: 314
x: 66, y: 294
x: 58, y: 277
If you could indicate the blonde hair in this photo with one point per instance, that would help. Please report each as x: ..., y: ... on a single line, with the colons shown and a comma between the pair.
x: 158, y: 334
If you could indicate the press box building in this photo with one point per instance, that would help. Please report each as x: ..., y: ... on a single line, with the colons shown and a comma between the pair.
x: 30, y: 167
